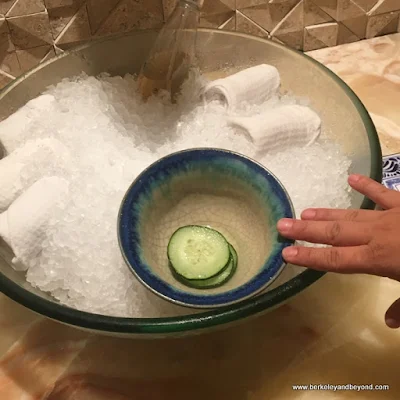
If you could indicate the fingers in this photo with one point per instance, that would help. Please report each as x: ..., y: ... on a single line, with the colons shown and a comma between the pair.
x: 392, y: 317
x: 326, y: 214
x: 335, y: 233
x: 376, y: 192
x: 346, y: 260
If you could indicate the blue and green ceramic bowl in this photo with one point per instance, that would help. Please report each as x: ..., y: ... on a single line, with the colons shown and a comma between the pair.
x: 209, y: 187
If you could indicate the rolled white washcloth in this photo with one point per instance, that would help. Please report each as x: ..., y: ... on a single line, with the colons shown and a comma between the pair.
x: 12, y: 127
x: 280, y: 128
x: 255, y: 85
x: 34, y: 152
x: 25, y: 224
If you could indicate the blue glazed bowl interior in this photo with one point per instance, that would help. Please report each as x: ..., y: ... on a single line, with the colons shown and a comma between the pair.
x: 220, y: 189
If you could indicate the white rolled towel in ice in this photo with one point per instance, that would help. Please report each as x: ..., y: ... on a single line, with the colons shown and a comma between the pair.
x: 36, y: 154
x: 280, y: 128
x: 252, y: 85
x: 12, y: 127
x: 25, y: 224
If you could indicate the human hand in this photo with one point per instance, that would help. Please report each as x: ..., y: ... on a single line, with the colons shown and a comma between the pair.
x: 363, y: 241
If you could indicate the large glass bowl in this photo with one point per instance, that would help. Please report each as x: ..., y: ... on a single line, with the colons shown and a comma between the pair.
x: 220, y: 53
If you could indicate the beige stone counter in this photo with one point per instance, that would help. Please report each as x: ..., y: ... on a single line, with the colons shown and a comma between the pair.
x: 372, y: 69
x: 333, y: 333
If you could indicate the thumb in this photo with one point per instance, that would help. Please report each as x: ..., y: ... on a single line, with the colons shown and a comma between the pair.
x: 392, y: 317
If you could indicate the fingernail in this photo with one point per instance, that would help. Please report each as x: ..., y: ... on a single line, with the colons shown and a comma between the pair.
x: 285, y: 225
x: 290, y: 252
x: 392, y: 323
x: 309, y: 214
x: 354, y: 178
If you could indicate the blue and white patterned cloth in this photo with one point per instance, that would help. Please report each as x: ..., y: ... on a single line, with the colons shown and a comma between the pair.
x: 391, y: 171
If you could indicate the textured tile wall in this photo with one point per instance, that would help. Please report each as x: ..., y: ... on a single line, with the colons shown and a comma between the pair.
x: 34, y: 30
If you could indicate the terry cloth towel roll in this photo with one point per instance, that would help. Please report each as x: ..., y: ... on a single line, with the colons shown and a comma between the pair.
x: 25, y: 224
x: 12, y: 127
x: 253, y: 85
x: 280, y: 128
x: 34, y: 153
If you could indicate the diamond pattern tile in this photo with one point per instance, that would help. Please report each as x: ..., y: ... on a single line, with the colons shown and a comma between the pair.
x: 61, y: 13
x: 218, y: 7
x: 382, y: 24
x: 269, y: 14
x: 133, y: 15
x: 216, y: 13
x: 9, y: 64
x: 98, y: 11
x: 245, y: 24
x: 216, y: 20
x: 24, y: 7
x: 366, y: 5
x: 30, y: 58
x: 5, y: 6
x: 229, y: 25
x: 329, y: 6
x: 32, y: 31
x: 345, y: 35
x: 5, y: 79
x: 290, y: 29
x: 78, y: 30
x: 357, y: 25
x: 385, y: 6
x: 321, y: 35
x: 314, y: 15
x: 347, y: 9
x: 250, y: 3
x: 6, y: 44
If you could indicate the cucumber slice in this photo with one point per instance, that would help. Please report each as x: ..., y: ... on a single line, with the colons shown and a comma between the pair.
x: 213, y: 282
x: 233, y: 254
x: 197, y: 252
x: 217, y: 280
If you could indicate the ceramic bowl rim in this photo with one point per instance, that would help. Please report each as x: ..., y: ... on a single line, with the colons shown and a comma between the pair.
x: 148, y: 280
x: 167, y: 326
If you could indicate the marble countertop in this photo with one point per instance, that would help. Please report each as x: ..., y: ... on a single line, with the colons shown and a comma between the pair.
x: 340, y: 343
